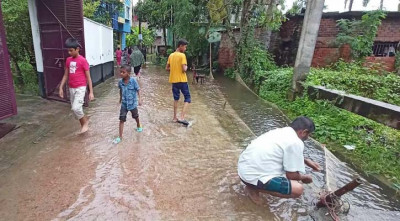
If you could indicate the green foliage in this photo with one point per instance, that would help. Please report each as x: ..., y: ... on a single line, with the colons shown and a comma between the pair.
x: 255, y: 62
x: 271, y: 19
x: 217, y: 10
x: 147, y: 34
x: 170, y: 51
x: 29, y: 77
x: 182, y: 17
x: 90, y: 7
x: 20, y: 44
x: 355, y: 79
x: 360, y: 34
x: 230, y: 72
x: 296, y: 8
x: 397, y: 64
x: 377, y: 146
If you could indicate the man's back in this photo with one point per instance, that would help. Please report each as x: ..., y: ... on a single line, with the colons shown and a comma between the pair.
x: 136, y: 58
x: 176, y: 60
x: 270, y: 155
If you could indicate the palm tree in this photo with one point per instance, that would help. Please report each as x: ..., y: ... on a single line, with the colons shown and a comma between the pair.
x: 365, y: 3
x: 350, y: 4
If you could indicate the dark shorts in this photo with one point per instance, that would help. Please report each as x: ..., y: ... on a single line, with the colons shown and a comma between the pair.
x: 280, y: 185
x: 123, y: 112
x: 183, y: 87
x: 136, y: 69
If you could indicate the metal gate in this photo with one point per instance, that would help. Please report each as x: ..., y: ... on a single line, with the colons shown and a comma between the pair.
x: 8, y: 106
x: 58, y: 21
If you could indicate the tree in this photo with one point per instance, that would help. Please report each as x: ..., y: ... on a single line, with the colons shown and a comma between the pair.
x: 90, y: 7
x: 157, y: 14
x: 147, y: 34
x: 19, y: 37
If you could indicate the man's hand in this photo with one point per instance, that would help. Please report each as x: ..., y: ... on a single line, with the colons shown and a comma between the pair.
x: 61, y: 92
x: 91, y: 96
x: 315, y: 166
x: 306, y: 179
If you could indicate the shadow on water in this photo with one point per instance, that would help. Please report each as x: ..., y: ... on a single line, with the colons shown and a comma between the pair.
x: 368, y: 202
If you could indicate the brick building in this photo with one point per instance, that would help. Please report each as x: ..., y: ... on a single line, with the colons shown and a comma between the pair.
x: 284, y: 43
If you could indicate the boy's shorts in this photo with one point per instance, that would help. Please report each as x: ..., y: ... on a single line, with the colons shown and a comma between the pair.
x: 77, y: 98
x: 136, y: 69
x: 280, y: 185
x: 183, y: 87
x: 123, y: 112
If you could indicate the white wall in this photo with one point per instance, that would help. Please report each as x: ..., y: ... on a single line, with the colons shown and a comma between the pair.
x: 98, y: 42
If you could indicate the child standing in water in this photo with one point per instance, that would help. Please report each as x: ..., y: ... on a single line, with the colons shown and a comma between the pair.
x: 118, y: 55
x: 128, y: 88
x: 78, y: 75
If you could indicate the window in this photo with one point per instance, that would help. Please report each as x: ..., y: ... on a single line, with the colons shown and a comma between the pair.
x: 385, y: 49
x: 127, y: 13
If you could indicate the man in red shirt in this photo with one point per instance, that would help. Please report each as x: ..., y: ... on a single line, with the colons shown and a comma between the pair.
x: 78, y: 75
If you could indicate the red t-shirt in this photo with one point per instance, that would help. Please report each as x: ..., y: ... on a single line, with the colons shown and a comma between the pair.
x: 77, y: 67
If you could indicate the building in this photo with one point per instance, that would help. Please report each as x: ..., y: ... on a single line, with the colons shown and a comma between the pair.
x: 285, y: 42
x: 122, y: 22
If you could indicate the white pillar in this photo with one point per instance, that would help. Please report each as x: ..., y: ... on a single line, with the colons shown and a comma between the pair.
x: 35, y: 34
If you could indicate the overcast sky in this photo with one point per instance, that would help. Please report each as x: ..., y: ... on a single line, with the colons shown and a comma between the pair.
x: 338, y: 5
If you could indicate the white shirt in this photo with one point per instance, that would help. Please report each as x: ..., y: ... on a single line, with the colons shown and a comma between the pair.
x: 272, y: 155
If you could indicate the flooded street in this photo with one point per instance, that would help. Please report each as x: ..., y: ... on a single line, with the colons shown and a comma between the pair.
x: 167, y: 172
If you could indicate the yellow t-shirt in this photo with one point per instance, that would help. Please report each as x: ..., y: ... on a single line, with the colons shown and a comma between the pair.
x: 175, y: 61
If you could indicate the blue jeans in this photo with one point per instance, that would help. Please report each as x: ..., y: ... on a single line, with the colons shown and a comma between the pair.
x: 183, y: 87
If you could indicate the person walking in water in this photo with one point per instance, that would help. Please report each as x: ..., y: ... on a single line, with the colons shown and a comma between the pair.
x: 177, y: 66
x: 273, y: 163
x: 137, y: 59
x: 128, y: 88
x: 118, y: 55
x: 78, y: 75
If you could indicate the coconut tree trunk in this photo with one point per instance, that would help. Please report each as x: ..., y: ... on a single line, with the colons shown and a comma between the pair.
x: 351, y: 5
x: 269, y: 13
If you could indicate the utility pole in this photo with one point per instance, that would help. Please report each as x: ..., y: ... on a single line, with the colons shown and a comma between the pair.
x: 308, y: 39
x: 140, y: 30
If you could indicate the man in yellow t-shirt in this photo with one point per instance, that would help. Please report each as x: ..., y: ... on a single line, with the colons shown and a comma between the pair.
x: 177, y: 67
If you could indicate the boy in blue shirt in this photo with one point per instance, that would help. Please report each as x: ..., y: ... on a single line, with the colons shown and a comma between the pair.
x: 128, y: 88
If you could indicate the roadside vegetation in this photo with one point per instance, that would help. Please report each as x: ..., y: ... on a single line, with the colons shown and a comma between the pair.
x: 377, y: 147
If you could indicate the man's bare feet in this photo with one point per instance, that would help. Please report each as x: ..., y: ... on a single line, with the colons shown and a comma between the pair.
x: 85, y: 126
x: 175, y: 120
x: 254, y: 195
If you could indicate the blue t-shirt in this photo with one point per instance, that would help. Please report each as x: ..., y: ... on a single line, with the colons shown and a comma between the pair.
x: 129, y: 93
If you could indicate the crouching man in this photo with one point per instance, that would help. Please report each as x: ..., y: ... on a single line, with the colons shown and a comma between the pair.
x: 273, y: 163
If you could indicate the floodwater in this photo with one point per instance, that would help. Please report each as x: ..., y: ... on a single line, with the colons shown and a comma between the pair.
x: 167, y: 172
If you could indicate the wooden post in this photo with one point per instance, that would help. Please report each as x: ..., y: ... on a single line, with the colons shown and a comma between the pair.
x: 211, y: 74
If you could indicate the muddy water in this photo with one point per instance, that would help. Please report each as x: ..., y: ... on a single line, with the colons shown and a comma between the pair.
x: 167, y: 172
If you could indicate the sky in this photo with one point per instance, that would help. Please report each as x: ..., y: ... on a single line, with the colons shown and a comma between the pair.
x: 338, y: 5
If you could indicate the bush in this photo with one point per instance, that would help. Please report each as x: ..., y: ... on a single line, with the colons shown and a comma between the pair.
x: 355, y: 79
x: 255, y: 62
x: 230, y: 72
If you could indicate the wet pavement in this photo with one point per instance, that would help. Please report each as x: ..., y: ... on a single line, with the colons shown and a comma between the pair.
x: 167, y: 172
